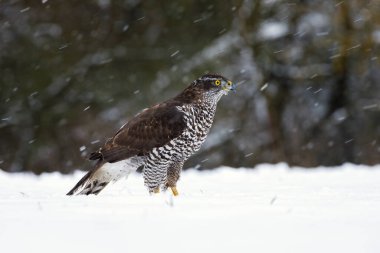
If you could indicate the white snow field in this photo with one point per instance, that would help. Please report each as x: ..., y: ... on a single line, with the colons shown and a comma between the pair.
x: 270, y: 209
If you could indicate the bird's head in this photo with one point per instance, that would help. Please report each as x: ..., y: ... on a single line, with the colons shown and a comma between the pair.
x: 207, y: 88
x: 214, y: 84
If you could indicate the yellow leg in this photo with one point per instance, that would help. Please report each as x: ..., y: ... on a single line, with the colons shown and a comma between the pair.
x: 156, y: 190
x: 174, y: 190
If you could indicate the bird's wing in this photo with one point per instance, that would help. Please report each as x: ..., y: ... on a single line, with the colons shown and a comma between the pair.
x: 153, y: 127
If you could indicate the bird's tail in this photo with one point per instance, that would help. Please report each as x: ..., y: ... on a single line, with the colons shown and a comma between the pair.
x: 92, y: 183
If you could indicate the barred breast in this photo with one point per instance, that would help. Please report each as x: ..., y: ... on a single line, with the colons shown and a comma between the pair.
x: 198, y: 123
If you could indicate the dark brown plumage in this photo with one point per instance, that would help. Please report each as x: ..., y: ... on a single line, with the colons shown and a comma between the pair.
x: 151, y: 128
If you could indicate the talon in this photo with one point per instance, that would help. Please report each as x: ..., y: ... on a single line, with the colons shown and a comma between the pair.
x: 156, y: 190
x: 174, y: 190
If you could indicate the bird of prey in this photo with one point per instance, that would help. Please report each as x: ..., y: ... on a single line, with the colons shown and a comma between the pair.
x: 160, y: 138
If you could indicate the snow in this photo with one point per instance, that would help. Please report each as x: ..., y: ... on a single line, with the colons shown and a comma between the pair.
x: 272, y: 30
x: 270, y: 209
x: 376, y: 36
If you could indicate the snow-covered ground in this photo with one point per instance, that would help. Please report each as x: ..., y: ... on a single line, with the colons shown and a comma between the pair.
x: 270, y: 209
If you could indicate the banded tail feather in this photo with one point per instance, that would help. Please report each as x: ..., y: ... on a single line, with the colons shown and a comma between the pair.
x: 102, y: 174
x: 91, y: 183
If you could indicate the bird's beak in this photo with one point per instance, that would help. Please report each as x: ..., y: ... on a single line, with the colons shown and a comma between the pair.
x: 229, y: 86
x: 233, y: 87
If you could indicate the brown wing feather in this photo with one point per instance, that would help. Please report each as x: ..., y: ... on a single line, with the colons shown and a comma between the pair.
x: 153, y: 127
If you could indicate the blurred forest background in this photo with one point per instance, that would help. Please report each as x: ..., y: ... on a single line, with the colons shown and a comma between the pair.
x: 72, y: 72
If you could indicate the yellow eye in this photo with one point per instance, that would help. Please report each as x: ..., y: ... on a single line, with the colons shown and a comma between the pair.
x: 217, y: 82
x: 229, y: 83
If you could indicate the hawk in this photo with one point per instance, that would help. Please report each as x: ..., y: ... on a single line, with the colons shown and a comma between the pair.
x: 160, y: 138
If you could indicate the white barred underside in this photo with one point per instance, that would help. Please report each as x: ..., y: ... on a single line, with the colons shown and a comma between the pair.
x: 198, y: 118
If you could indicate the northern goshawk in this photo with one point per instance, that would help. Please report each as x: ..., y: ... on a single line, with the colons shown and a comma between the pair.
x: 160, y: 138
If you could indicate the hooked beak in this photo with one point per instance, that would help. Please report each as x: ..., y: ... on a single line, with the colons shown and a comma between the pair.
x: 229, y: 86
